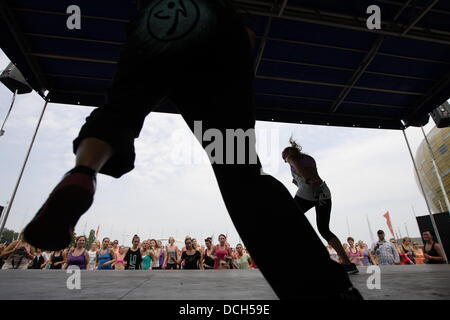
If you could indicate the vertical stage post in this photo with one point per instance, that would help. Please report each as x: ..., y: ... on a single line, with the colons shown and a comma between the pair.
x: 23, y: 168
x: 436, y: 231
x: 9, y: 111
x: 348, y: 227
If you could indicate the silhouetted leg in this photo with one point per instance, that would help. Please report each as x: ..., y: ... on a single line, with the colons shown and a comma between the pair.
x: 323, y: 215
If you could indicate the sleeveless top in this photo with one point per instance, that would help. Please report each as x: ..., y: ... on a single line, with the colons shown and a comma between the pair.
x: 432, y: 252
x: 209, y: 261
x: 92, y: 259
x: 146, y: 261
x: 366, y: 261
x: 56, y: 259
x: 156, y: 265
x: 79, y: 261
x: 305, y: 190
x: 242, y: 262
x: 353, y: 256
x: 418, y: 257
x: 161, y: 257
x: 220, y: 255
x: 102, y: 258
x: 171, y: 256
x: 47, y: 257
x: 191, y: 261
x: 133, y: 260
x: 120, y: 259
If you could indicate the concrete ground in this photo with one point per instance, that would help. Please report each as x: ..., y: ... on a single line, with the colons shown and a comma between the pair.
x: 396, y: 282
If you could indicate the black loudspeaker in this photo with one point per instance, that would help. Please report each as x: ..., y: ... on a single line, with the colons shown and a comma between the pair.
x: 13, y: 79
x: 441, y: 115
x: 443, y: 225
x: 417, y: 122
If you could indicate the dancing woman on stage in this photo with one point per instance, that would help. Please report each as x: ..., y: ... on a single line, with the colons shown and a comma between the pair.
x: 314, y: 192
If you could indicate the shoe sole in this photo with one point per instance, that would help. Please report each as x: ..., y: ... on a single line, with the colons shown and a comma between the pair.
x: 53, y: 229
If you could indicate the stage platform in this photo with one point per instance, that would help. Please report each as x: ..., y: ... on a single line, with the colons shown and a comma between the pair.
x: 397, y: 282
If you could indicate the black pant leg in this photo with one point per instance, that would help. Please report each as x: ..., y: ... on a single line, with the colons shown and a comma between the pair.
x: 323, y: 214
x: 261, y: 208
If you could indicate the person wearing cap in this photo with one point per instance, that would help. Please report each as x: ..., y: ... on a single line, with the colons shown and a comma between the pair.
x: 385, y: 251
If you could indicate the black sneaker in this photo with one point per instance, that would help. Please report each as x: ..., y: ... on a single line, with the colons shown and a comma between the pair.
x: 53, y: 225
x: 350, y: 268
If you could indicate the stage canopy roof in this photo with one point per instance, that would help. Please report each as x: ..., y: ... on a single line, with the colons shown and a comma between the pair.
x: 317, y: 62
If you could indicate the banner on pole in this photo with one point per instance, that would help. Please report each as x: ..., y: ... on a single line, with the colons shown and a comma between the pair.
x: 96, y: 233
x: 388, y: 222
x: 370, y: 230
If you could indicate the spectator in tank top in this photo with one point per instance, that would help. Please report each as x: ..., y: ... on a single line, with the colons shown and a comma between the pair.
x: 120, y: 257
x: 172, y: 255
x: 77, y: 256
x: 105, y: 256
x: 242, y: 260
x: 133, y: 257
x: 433, y: 252
x: 38, y: 261
x: 57, y: 260
x: 191, y: 258
x: 418, y: 254
x: 222, y: 252
x: 208, y: 254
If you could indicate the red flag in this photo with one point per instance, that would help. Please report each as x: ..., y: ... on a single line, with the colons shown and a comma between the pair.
x: 96, y: 234
x: 388, y: 222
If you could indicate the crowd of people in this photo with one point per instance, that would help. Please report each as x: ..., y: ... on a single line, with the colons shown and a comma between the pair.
x: 391, y: 252
x: 148, y: 254
x: 151, y: 254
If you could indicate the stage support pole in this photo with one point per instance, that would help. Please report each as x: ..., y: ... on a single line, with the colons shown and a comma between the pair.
x: 23, y: 169
x: 436, y: 231
x: 9, y: 111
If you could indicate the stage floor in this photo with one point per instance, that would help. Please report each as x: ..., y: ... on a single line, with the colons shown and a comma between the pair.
x: 397, y: 282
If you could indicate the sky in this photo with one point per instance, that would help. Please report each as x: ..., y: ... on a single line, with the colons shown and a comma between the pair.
x: 369, y: 172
